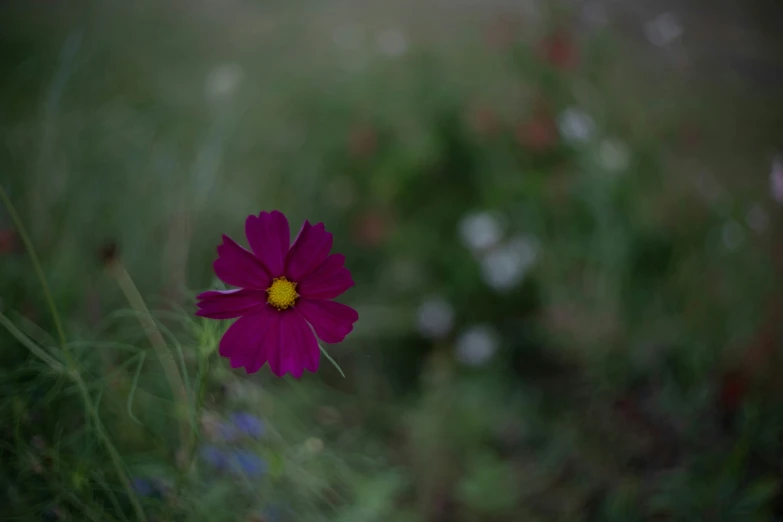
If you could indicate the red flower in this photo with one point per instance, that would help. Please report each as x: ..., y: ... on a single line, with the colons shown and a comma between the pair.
x: 560, y: 51
x: 285, y: 292
x: 539, y: 133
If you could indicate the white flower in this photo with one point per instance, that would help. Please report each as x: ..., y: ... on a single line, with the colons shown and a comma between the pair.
x: 480, y: 230
x: 614, y: 155
x: 392, y: 43
x: 663, y: 29
x: 435, y: 318
x: 476, y: 345
x: 733, y: 235
x: 756, y: 218
x: 505, y: 267
x: 776, y: 180
x: 575, y: 126
x: 223, y: 80
x: 501, y: 270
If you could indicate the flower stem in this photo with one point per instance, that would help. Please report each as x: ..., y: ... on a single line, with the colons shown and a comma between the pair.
x: 178, y: 389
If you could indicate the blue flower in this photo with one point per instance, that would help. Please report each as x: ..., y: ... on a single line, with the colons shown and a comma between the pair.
x: 237, y: 461
x: 248, y: 424
x: 240, y: 425
x: 243, y: 462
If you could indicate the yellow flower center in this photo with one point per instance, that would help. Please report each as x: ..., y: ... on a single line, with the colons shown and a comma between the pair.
x: 282, y: 293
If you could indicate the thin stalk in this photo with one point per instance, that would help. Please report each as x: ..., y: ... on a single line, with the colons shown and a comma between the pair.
x: 73, y: 372
x: 132, y: 294
x: 36, y: 263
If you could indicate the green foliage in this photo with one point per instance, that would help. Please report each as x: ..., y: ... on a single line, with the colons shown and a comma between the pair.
x: 488, y: 486
x: 149, y: 131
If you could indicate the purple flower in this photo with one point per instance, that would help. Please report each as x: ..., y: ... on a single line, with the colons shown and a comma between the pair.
x: 240, y: 425
x: 243, y: 462
x: 285, y: 292
x: 236, y: 461
x: 248, y: 424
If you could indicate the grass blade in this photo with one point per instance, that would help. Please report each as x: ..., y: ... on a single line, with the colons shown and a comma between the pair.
x: 334, y: 363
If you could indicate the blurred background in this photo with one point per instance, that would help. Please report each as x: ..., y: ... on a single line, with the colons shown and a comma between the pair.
x: 563, y: 219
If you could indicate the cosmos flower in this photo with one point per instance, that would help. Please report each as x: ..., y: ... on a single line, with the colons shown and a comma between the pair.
x: 285, y: 293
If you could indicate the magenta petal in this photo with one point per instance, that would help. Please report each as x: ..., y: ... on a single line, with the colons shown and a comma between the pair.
x: 243, y: 340
x: 332, y: 321
x: 269, y: 347
x: 238, y: 267
x: 328, y: 280
x: 311, y: 247
x: 269, y: 238
x: 294, y: 349
x: 227, y: 304
x: 301, y: 336
x: 289, y: 346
